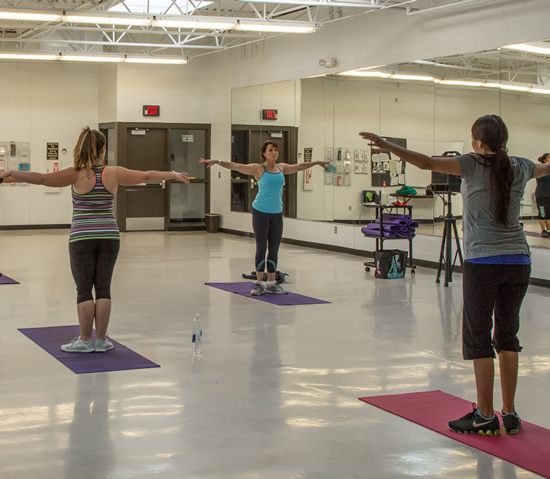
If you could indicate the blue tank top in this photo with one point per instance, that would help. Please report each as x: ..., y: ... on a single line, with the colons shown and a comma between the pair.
x: 270, y: 195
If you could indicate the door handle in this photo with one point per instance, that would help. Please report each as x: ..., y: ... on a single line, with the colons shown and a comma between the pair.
x: 163, y: 184
x: 252, y: 184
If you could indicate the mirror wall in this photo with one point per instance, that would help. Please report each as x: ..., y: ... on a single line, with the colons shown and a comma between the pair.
x: 427, y: 105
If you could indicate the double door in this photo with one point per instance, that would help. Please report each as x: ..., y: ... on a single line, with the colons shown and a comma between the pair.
x: 165, y: 205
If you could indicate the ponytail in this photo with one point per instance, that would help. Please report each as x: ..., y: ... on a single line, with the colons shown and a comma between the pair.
x: 544, y: 157
x: 492, y: 131
x: 88, y: 148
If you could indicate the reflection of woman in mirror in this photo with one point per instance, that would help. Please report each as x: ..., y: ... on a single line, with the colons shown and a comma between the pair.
x: 497, y: 263
x: 267, y: 209
x: 542, y: 196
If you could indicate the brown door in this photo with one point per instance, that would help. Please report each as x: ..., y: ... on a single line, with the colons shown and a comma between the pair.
x: 146, y: 204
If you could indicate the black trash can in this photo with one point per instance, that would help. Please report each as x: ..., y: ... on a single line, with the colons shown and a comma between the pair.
x: 212, y: 221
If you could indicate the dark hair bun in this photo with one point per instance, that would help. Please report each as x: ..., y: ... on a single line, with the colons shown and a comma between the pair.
x: 544, y: 157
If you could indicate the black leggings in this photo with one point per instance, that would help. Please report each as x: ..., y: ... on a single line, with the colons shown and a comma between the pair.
x: 92, y: 265
x: 490, y: 289
x: 268, y: 231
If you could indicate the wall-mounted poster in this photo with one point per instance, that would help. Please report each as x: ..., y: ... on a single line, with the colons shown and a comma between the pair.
x: 387, y: 167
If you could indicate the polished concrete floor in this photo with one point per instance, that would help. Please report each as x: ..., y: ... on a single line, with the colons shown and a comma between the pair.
x: 274, y: 394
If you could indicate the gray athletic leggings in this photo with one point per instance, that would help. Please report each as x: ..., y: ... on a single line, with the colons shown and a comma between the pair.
x: 92, y: 265
x: 268, y: 231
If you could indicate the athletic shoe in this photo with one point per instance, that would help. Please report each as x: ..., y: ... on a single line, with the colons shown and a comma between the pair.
x: 103, y: 345
x: 545, y: 234
x: 475, y: 423
x: 258, y: 289
x: 77, y: 345
x: 275, y: 289
x: 511, y: 423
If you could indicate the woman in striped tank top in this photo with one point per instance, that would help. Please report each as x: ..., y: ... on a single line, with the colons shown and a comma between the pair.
x: 94, y: 240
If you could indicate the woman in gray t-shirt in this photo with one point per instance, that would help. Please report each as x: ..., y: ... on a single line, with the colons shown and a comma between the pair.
x: 497, y: 263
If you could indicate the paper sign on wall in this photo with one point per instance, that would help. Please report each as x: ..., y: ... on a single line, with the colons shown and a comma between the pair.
x: 308, y: 155
x: 52, y: 166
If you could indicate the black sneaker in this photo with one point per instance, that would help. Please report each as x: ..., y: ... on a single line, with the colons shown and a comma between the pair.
x: 511, y: 423
x: 475, y: 423
x: 544, y: 234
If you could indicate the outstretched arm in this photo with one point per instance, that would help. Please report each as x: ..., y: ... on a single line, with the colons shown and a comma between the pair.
x: 58, y: 179
x: 442, y: 164
x: 128, y: 177
x: 541, y: 170
x: 252, y: 169
x: 290, y: 169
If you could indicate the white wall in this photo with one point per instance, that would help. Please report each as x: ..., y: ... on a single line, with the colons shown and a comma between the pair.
x: 43, y: 103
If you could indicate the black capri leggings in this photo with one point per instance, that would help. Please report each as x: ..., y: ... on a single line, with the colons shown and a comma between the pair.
x: 92, y: 265
x: 488, y: 289
x: 268, y: 231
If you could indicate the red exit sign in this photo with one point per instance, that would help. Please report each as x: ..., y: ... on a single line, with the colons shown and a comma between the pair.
x: 151, y: 110
x: 269, y: 114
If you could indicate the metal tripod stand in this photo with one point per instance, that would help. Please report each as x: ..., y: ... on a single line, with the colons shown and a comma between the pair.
x: 446, y: 252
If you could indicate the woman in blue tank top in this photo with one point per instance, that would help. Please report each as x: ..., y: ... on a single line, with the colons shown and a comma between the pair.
x: 267, y: 210
x: 497, y: 266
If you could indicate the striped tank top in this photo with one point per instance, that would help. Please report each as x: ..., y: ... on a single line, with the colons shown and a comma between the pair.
x: 93, y: 212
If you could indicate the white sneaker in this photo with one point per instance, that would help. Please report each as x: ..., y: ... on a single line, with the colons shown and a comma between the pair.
x: 275, y: 289
x: 102, y: 345
x: 258, y: 289
x: 77, y: 345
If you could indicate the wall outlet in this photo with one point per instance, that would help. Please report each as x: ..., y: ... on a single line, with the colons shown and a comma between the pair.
x: 350, y: 208
x: 335, y: 229
x: 219, y: 174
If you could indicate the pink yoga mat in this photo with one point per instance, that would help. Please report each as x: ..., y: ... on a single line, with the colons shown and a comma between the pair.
x: 434, y: 409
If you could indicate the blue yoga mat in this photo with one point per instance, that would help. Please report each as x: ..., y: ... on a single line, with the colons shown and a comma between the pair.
x: 118, y: 359
x: 290, y: 299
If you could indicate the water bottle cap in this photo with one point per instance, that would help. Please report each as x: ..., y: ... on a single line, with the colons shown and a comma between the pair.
x: 197, y: 316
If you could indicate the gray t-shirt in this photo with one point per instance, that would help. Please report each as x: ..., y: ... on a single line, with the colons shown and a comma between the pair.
x: 483, y: 236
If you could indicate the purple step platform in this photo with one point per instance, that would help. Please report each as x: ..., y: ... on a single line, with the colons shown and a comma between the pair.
x: 290, y: 299
x: 118, y: 359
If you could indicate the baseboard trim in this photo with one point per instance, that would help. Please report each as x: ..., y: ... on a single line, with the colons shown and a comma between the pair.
x: 545, y: 283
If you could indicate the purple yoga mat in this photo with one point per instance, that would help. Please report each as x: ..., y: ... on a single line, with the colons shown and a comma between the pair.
x: 392, y: 221
x: 527, y: 233
x: 290, y: 299
x: 6, y: 280
x: 376, y: 233
x: 118, y: 359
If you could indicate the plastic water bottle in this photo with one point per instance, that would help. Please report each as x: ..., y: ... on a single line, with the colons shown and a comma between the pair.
x: 384, y: 195
x: 197, y: 335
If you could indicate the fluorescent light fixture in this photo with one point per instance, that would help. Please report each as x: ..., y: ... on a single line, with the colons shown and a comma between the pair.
x: 90, y: 58
x: 491, y: 85
x: 107, y: 20
x: 460, y: 82
x: 412, y: 77
x: 274, y: 27
x: 27, y: 56
x: 166, y: 61
x: 325, y: 3
x: 30, y: 17
x: 196, y: 24
x: 514, y: 88
x: 359, y: 73
x: 522, y: 47
x: 540, y: 90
